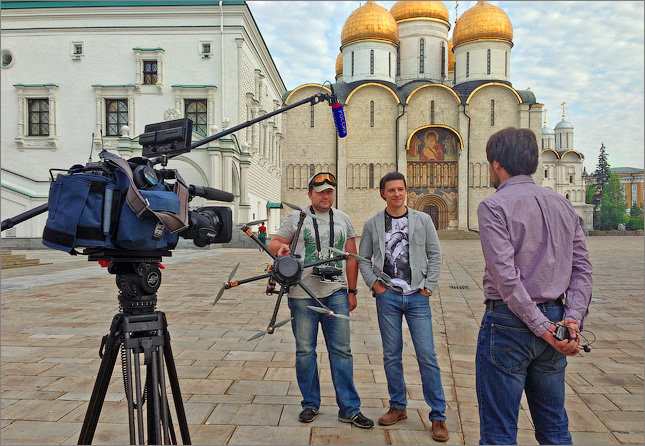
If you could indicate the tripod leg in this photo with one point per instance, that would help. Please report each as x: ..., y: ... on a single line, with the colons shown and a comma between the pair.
x: 174, y: 386
x: 102, y: 382
x: 137, y: 377
x: 129, y: 396
x: 164, y: 396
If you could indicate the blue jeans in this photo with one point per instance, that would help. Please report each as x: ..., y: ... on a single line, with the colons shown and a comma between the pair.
x: 336, y: 332
x: 416, y: 307
x: 511, y: 359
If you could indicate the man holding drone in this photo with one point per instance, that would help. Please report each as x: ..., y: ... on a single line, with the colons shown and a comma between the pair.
x: 323, y: 227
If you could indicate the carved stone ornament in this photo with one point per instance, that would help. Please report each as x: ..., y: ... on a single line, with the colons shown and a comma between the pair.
x: 170, y: 114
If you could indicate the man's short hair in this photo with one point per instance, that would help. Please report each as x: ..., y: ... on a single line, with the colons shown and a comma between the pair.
x: 516, y: 150
x: 391, y: 176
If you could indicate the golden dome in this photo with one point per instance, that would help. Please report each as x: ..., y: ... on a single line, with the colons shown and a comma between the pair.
x: 451, y: 58
x: 482, y: 22
x: 339, y: 64
x: 370, y: 22
x: 409, y: 10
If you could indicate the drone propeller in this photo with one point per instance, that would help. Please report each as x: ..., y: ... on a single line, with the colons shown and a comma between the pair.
x: 227, y: 285
x: 328, y: 312
x: 269, y: 330
x: 254, y: 222
x: 298, y: 208
x: 379, y: 272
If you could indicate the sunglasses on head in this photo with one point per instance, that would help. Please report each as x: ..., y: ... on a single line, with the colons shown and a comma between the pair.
x: 322, y: 178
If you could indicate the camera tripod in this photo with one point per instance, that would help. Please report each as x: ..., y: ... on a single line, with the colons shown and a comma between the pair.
x: 138, y: 329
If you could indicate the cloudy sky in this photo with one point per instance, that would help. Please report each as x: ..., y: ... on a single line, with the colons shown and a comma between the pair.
x: 587, y: 54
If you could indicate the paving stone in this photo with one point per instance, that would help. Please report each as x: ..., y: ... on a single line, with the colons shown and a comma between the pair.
x: 274, y: 435
x: 49, y: 359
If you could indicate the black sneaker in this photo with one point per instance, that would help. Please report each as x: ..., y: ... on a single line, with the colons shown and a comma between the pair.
x: 307, y: 415
x: 358, y: 420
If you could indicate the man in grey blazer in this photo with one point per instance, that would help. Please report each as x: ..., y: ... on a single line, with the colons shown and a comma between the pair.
x: 406, y: 261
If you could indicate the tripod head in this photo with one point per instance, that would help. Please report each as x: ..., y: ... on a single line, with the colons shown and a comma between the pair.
x: 138, y: 276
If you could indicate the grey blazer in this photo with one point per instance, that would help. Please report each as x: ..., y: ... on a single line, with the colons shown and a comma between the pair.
x: 425, y: 250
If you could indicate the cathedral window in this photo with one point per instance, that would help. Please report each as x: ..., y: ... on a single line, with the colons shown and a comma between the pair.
x: 352, y: 63
x: 312, y: 170
x: 398, y: 61
x: 506, y: 63
x: 571, y: 179
x: 311, y: 118
x: 422, y: 44
x: 371, y: 61
x: 196, y: 111
x: 389, y: 64
x: 443, y: 60
x: 467, y: 64
x: 488, y: 62
x: 371, y: 113
x: 492, y: 112
x: 546, y: 173
x: 431, y: 112
x: 38, y: 117
x: 371, y: 175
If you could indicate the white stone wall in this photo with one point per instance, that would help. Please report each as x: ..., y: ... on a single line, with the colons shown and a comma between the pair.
x: 500, y: 66
x: 435, y: 34
x: 384, y: 61
x: 42, y: 42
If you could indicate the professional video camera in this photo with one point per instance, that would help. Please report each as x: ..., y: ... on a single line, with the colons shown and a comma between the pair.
x: 127, y: 215
x: 129, y: 205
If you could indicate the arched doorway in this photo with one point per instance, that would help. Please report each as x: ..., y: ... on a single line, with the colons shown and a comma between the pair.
x: 436, y: 207
x: 432, y: 173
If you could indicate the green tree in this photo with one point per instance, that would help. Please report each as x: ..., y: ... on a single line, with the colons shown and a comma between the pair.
x: 636, y: 219
x: 612, y: 205
x: 590, y: 193
x: 602, y: 175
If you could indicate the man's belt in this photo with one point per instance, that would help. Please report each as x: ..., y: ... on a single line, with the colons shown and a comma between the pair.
x: 492, y: 303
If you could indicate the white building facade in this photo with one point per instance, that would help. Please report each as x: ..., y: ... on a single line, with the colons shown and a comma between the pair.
x: 78, y: 77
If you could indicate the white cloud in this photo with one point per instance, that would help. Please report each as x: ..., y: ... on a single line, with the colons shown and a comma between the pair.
x: 587, y: 54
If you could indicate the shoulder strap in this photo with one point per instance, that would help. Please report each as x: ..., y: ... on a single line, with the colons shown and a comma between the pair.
x: 139, y: 205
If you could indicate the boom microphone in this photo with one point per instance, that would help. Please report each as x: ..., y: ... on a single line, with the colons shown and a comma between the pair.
x: 210, y: 193
x: 339, y: 116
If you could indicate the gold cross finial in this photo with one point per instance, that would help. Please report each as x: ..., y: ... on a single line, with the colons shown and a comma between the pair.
x: 545, y: 116
x: 456, y: 11
x: 563, y: 104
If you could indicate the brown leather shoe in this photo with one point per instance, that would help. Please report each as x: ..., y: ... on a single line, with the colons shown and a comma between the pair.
x: 392, y: 416
x: 439, y: 430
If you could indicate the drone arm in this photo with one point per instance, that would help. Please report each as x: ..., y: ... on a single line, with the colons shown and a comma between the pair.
x: 323, y: 261
x: 243, y: 281
x: 255, y: 238
x: 294, y: 240
x: 277, y: 307
x: 312, y: 295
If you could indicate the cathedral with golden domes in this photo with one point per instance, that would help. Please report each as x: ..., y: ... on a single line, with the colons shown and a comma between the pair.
x: 423, y: 102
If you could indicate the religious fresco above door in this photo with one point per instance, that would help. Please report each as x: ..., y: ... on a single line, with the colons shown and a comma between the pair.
x: 432, y: 156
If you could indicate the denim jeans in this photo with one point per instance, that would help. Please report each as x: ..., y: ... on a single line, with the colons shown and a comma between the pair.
x: 511, y: 359
x: 416, y: 307
x: 336, y: 332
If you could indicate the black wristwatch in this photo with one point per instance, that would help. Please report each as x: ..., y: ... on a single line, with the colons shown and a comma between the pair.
x: 355, y: 291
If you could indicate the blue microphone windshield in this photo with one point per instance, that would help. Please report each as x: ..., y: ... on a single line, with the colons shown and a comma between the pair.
x: 339, y: 119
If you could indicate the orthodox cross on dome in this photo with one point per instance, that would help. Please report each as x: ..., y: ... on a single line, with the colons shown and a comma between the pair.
x: 563, y: 104
x: 545, y: 116
x: 456, y: 11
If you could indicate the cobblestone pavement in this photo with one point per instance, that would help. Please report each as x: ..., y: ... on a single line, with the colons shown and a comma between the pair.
x: 238, y: 392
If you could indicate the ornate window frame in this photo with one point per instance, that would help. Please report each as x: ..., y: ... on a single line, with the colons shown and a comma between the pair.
x: 142, y: 54
x: 207, y: 92
x: 36, y: 91
x: 101, y: 93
